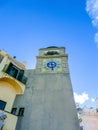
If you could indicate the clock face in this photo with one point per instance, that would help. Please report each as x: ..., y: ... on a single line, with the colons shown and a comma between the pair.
x: 51, y: 65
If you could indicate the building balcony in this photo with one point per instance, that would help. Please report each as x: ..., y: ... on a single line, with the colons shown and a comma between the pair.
x: 16, y: 83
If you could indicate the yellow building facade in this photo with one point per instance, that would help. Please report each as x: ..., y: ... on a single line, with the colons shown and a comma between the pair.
x: 12, y: 83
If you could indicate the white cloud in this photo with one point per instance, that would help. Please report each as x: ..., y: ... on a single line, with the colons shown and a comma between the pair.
x: 92, y: 99
x: 92, y: 10
x: 81, y: 98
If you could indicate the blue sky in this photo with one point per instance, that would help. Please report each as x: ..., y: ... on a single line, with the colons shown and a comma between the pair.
x: 28, y: 25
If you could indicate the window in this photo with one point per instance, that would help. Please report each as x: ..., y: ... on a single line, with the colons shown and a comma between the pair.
x: 20, y: 75
x: 2, y: 105
x: 12, y: 70
x: 14, y: 110
x: 21, y: 112
x: 15, y: 72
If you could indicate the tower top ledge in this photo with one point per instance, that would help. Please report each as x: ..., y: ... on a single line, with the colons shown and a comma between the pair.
x: 52, y: 50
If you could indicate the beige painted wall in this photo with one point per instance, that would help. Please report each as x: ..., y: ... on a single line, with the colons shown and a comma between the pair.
x: 10, y: 122
x: 7, y: 94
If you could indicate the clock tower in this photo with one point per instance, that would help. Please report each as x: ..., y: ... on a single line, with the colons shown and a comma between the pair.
x: 52, y: 60
x: 58, y: 106
x: 48, y: 98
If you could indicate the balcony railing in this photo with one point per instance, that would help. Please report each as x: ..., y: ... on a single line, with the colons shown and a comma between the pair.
x: 15, y: 72
x: 22, y: 80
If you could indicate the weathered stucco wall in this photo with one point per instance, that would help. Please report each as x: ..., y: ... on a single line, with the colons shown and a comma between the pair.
x: 48, y: 102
